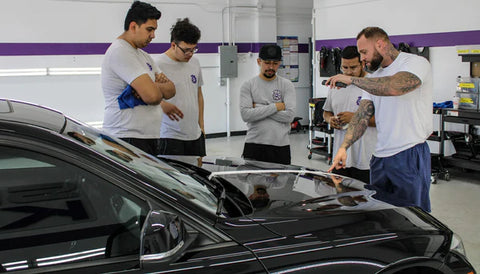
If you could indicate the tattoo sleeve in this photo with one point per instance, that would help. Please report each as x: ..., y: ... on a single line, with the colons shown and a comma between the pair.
x: 359, y: 123
x: 398, y: 84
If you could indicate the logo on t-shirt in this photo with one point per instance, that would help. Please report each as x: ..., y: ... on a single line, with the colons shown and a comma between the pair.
x: 276, y: 95
x: 194, y: 78
x: 149, y: 66
x: 358, y: 100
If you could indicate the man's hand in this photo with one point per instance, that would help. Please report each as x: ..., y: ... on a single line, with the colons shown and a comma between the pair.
x: 345, y: 117
x: 280, y: 106
x: 161, y: 78
x: 340, y: 159
x: 335, y: 122
x: 338, y: 78
x: 174, y: 113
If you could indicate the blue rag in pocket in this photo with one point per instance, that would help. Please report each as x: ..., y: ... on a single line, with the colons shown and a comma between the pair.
x: 128, y: 100
x: 446, y: 104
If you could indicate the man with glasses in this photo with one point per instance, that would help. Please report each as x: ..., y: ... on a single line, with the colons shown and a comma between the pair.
x: 267, y: 105
x: 182, y: 131
x: 338, y: 112
x: 132, y: 84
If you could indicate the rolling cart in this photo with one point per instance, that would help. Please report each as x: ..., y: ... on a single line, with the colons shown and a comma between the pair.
x: 436, y: 153
x: 466, y: 144
x: 320, y: 135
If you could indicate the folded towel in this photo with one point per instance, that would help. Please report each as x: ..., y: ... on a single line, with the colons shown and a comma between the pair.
x: 128, y: 100
x: 446, y: 104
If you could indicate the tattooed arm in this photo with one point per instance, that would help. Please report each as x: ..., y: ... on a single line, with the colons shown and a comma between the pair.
x: 359, y: 123
x: 356, y: 129
x: 398, y: 84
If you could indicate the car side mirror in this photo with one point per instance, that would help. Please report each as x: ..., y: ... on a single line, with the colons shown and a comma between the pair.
x: 163, y: 235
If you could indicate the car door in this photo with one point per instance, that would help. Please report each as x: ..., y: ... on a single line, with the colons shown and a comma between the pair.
x: 57, y: 215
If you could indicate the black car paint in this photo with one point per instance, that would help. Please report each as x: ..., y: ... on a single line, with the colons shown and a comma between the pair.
x: 298, y: 235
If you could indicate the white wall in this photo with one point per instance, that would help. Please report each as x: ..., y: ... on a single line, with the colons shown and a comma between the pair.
x: 294, y: 19
x: 406, y: 17
x: 101, y: 21
x: 337, y: 19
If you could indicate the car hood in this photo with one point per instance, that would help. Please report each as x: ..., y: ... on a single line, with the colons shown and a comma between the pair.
x: 296, y: 190
x: 292, y: 200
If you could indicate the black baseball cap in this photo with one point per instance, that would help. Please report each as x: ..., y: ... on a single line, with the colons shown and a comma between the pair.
x: 270, y: 52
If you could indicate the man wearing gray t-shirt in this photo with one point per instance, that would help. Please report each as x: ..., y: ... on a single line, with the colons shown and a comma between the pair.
x: 182, y: 131
x: 132, y: 85
x: 267, y: 105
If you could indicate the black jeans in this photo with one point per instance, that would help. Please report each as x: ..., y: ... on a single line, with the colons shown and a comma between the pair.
x: 267, y: 153
x: 148, y: 145
x: 169, y: 146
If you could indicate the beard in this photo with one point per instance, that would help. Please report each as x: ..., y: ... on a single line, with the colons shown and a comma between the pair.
x: 269, y: 74
x: 376, y: 61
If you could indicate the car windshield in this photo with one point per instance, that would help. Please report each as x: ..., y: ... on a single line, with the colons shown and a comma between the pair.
x: 143, y: 163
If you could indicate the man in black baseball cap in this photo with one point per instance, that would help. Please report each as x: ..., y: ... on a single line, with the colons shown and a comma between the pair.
x: 270, y: 52
x: 267, y: 105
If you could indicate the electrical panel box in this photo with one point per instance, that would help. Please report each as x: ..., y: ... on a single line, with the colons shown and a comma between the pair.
x: 228, y: 61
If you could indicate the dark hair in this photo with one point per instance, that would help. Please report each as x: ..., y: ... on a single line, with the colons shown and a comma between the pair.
x: 140, y: 13
x: 350, y: 52
x: 184, y: 31
x: 373, y: 32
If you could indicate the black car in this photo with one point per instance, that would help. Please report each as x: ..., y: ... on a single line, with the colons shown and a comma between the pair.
x: 74, y: 199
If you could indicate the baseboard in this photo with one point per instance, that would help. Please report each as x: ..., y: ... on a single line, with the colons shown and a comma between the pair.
x: 224, y: 134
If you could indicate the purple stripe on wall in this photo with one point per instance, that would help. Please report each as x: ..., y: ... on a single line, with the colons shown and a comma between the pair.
x: 20, y: 49
x: 303, y: 48
x: 157, y: 48
x: 441, y: 39
x: 415, y: 40
x: 7, y: 49
x: 213, y: 47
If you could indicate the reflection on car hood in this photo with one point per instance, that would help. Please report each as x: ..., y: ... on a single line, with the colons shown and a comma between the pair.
x: 294, y: 190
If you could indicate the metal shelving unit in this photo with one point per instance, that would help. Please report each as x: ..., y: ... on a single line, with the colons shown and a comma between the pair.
x: 323, y: 144
x: 467, y: 147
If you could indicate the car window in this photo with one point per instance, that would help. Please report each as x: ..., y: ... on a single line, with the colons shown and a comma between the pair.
x: 149, y: 166
x: 53, y: 212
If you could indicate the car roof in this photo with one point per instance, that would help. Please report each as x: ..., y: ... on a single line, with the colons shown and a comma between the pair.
x: 31, y: 114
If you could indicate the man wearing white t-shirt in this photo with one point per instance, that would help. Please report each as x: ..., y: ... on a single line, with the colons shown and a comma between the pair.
x: 182, y: 131
x: 338, y: 111
x: 130, y: 71
x: 399, y: 93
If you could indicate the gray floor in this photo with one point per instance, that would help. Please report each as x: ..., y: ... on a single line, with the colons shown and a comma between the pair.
x: 456, y: 203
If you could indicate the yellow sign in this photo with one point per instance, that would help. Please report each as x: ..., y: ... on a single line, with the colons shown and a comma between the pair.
x: 467, y: 85
x: 466, y: 100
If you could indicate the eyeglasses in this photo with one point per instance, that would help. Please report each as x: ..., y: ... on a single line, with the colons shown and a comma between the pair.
x: 187, y: 51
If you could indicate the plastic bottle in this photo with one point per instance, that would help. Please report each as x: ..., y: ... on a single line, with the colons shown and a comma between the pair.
x: 459, y: 80
x: 456, y: 96
x: 455, y: 101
